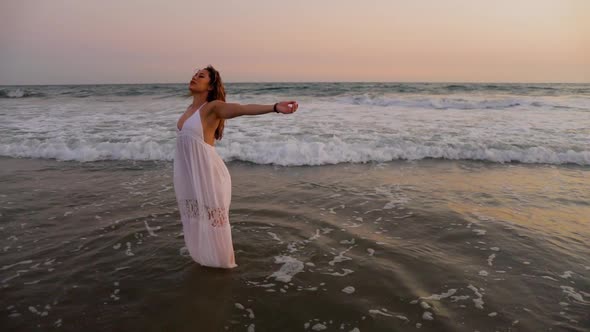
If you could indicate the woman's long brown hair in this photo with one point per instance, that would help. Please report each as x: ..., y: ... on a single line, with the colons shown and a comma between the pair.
x: 218, y: 93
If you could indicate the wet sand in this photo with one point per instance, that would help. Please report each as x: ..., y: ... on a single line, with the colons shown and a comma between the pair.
x: 429, y: 245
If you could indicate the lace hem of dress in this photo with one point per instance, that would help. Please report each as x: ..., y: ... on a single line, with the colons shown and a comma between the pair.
x: 189, y: 208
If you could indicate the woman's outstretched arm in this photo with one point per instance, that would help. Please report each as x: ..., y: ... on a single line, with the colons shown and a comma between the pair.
x: 231, y: 110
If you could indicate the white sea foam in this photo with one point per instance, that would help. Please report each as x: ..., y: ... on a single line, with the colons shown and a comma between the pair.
x: 479, y: 231
x: 321, y: 132
x: 478, y: 301
x: 16, y: 93
x: 291, y: 266
x: 128, y: 252
x: 319, y: 327
x: 275, y: 237
x: 11, y: 277
x: 315, y: 236
x: 31, y: 282
x: 340, y: 257
x: 550, y: 278
x: 427, y: 315
x: 250, y: 313
x: 459, y: 298
x: 571, y: 292
x: 15, y: 264
x: 379, y: 312
x: 297, y: 153
x: 338, y: 274
x: 491, y: 259
x: 348, y: 289
x: 441, y: 296
x: 151, y: 229
x: 472, y: 102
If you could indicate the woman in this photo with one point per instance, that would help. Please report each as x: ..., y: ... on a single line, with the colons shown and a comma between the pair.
x: 201, y: 180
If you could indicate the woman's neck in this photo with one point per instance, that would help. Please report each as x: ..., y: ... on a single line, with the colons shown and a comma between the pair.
x: 199, y: 99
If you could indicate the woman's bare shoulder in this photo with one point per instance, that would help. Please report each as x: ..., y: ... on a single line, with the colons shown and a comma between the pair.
x: 210, y: 107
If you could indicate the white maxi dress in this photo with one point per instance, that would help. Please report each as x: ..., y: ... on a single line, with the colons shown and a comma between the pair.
x: 202, y: 184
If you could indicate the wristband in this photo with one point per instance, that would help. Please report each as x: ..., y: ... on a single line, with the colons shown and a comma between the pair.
x: 274, y: 108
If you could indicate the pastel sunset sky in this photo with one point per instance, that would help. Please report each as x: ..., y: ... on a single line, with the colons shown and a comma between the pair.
x: 107, y: 41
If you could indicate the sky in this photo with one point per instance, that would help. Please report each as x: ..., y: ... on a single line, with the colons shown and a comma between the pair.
x: 127, y: 41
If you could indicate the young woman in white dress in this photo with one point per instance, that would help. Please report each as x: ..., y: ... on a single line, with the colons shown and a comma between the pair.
x: 202, y: 183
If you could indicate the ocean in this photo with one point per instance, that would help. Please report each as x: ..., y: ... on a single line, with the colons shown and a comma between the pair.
x: 339, y: 122
x: 375, y: 207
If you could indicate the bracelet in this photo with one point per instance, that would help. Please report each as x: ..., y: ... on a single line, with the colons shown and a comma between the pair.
x: 274, y: 108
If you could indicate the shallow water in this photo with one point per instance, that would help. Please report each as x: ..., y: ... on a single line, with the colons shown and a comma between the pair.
x: 432, y: 245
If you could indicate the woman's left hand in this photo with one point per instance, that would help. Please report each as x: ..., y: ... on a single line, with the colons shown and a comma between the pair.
x: 287, y: 107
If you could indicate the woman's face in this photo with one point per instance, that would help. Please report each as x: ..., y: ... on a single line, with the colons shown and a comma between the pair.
x: 200, y: 81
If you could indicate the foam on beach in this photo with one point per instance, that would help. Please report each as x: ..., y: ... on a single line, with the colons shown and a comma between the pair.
x: 478, y: 301
x: 398, y: 129
x: 348, y: 289
x: 341, y: 257
x: 441, y: 296
x: 291, y: 266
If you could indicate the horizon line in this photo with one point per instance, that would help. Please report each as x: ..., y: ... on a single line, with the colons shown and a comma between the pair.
x: 302, y: 82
